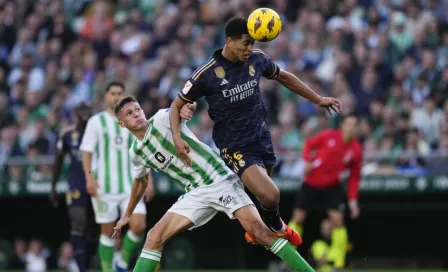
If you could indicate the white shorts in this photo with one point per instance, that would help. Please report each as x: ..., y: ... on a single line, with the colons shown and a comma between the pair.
x: 108, y: 208
x: 201, y: 204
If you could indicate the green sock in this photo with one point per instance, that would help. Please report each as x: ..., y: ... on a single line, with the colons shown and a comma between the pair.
x: 288, y: 253
x: 297, y: 227
x: 106, y: 253
x: 149, y: 261
x: 130, y: 244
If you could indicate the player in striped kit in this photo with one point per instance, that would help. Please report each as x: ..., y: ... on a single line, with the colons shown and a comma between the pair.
x: 209, y: 185
x: 107, y: 167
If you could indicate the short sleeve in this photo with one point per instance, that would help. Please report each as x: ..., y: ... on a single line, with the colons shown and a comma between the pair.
x: 90, y: 138
x: 139, y: 170
x: 195, y: 87
x: 270, y: 68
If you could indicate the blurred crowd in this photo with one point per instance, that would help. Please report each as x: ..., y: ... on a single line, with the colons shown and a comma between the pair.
x: 34, y: 256
x: 387, y: 60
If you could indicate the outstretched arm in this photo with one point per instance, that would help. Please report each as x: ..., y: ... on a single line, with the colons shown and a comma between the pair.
x: 138, y: 189
x: 182, y: 148
x: 175, y: 119
x: 297, y: 86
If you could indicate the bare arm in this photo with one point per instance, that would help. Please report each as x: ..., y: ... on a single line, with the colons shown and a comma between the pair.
x: 86, y: 164
x: 175, y: 119
x: 138, y: 189
x: 182, y: 148
x: 57, y: 168
x: 297, y: 86
x: 91, y: 184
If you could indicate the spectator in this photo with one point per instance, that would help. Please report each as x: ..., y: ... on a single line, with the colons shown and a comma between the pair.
x: 383, y: 59
x: 18, y: 260
x: 36, y: 257
x: 66, y: 261
x: 428, y: 120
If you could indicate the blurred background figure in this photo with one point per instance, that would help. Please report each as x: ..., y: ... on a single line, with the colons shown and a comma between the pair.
x: 36, y: 257
x: 327, y: 156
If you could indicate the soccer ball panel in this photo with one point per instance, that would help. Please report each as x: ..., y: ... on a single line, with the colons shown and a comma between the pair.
x: 264, y: 24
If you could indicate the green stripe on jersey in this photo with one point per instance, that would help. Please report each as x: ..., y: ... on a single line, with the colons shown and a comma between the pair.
x: 170, y: 147
x: 140, y: 153
x: 119, y: 160
x: 106, y: 154
x: 130, y: 140
x: 181, y: 174
x: 151, y: 148
x: 205, y: 154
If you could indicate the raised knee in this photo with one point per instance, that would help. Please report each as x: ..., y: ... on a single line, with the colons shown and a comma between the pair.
x: 139, y: 228
x: 154, y: 239
x: 270, y: 199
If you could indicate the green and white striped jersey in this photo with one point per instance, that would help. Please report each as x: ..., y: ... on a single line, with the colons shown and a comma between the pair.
x: 109, y: 144
x: 156, y: 151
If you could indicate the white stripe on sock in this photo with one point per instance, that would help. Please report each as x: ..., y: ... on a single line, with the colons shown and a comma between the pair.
x: 274, y: 248
x: 148, y: 256
x: 107, y: 241
x: 275, y: 243
x: 280, y: 246
x: 134, y: 238
x: 153, y: 252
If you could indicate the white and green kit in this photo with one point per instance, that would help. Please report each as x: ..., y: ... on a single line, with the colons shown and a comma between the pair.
x: 210, y: 186
x: 109, y: 144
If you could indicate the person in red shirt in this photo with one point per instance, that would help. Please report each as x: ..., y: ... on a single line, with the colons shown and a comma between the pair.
x: 328, y: 156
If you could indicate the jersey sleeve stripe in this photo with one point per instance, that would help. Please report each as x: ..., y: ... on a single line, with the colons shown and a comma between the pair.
x: 204, y: 69
x: 183, y: 98
x: 258, y: 51
x: 274, y: 73
x: 201, y: 67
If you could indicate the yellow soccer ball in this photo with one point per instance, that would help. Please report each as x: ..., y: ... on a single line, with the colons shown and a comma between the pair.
x: 264, y: 24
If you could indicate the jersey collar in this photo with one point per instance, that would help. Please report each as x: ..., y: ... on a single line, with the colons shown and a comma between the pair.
x: 150, y: 124
x: 217, y: 55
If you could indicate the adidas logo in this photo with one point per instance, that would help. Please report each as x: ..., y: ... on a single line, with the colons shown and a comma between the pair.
x: 224, y: 82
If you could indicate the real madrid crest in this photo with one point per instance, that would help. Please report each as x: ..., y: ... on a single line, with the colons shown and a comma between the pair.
x: 220, y: 73
x: 75, y: 138
x: 251, y: 70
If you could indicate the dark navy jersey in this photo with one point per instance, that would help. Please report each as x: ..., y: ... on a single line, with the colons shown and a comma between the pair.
x: 232, y: 91
x: 69, y: 141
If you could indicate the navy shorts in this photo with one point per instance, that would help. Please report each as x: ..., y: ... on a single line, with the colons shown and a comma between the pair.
x: 258, y: 153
